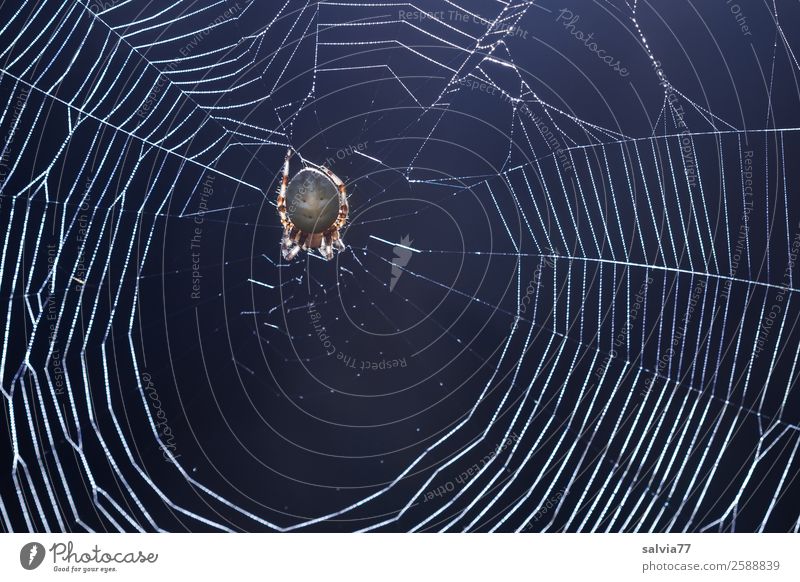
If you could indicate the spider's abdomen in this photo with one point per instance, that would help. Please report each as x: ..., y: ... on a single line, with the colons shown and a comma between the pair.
x: 312, y: 201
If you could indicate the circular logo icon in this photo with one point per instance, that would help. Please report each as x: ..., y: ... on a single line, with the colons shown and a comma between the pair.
x: 31, y: 555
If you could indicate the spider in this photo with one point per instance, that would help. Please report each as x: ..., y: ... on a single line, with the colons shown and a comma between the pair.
x: 313, y: 209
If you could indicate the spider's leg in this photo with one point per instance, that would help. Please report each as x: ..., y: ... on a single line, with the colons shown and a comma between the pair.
x: 302, y: 240
x: 290, y: 242
x: 335, y: 179
x: 289, y: 234
x: 289, y: 246
x: 291, y: 252
x: 344, y: 208
x: 341, y: 219
x: 282, y: 191
x: 338, y: 243
x: 325, y: 248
